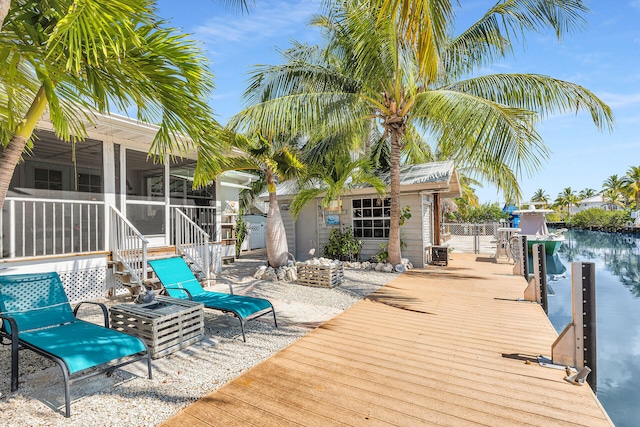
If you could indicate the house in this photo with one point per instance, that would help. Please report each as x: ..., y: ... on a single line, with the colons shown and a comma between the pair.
x: 95, y: 210
x: 421, y: 188
x: 597, y: 201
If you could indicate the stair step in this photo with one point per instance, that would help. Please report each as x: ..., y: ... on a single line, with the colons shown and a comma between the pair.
x: 161, y: 251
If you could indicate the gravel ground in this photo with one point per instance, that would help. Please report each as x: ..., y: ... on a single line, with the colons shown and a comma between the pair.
x: 129, y: 398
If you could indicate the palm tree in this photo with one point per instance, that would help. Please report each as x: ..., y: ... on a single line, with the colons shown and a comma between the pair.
x: 613, y: 199
x: 540, y: 196
x: 613, y: 189
x: 587, y: 193
x: 275, y: 159
x: 75, y: 61
x: 334, y: 176
x: 566, y: 198
x: 368, y: 77
x: 633, y: 184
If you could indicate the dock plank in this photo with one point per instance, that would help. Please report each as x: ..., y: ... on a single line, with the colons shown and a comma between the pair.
x: 441, y: 346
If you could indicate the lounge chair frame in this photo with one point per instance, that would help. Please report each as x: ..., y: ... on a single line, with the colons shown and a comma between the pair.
x: 18, y: 344
x: 235, y: 313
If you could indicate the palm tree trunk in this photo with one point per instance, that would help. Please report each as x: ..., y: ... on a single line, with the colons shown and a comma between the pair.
x: 277, y: 247
x: 11, y: 154
x: 4, y: 9
x: 393, y: 248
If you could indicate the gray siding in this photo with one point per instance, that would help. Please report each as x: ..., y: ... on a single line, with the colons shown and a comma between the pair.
x: 289, y: 228
x: 410, y: 232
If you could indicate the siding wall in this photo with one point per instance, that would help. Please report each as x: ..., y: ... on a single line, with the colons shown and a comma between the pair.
x: 410, y: 232
x: 289, y: 227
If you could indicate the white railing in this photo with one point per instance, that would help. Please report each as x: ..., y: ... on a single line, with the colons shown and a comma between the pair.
x: 42, y: 227
x: 192, y: 242
x: 470, y: 238
x: 129, y: 247
x: 204, y: 216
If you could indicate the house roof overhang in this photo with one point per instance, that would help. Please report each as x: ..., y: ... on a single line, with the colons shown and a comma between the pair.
x: 135, y: 134
x: 426, y: 178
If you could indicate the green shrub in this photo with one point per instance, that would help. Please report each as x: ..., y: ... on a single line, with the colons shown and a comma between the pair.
x: 383, y: 253
x: 488, y: 212
x: 241, y: 233
x: 596, y: 218
x: 343, y: 245
x: 554, y: 217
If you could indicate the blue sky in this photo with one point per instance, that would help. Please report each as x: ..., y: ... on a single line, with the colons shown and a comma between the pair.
x: 604, y: 57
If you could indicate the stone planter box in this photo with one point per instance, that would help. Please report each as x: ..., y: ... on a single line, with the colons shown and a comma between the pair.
x: 325, y: 276
x: 166, y: 325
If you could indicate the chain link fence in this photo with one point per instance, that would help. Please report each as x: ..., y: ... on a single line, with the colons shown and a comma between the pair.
x: 471, y: 238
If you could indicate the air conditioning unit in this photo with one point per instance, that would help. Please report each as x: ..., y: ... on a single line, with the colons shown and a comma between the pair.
x: 440, y: 255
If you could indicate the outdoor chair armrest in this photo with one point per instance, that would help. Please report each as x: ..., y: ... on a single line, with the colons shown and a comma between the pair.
x: 213, y: 280
x: 179, y: 289
x: 105, y: 312
x: 15, y: 343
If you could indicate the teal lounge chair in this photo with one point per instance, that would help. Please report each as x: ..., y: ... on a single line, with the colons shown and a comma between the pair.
x: 179, y: 282
x: 36, y: 315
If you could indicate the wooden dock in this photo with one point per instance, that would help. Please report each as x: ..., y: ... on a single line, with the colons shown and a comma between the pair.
x: 442, y: 346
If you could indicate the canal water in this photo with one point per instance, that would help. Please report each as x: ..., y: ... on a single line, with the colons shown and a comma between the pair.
x: 617, y: 262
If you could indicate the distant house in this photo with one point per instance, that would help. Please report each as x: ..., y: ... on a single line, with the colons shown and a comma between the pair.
x: 80, y: 210
x: 597, y: 201
x: 421, y: 188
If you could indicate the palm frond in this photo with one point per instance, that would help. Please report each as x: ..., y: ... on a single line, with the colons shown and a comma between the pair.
x: 472, y: 126
x: 542, y: 94
x: 302, y: 198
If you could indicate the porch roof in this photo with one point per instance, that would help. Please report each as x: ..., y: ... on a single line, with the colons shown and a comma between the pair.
x: 120, y: 129
x: 434, y: 177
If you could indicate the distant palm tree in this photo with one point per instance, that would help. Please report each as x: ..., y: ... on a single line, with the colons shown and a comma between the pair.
x: 587, y: 193
x: 540, y: 196
x: 614, y: 199
x: 566, y: 199
x: 613, y: 188
x: 633, y: 184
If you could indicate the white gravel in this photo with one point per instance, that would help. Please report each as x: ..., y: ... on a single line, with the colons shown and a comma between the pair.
x: 129, y: 398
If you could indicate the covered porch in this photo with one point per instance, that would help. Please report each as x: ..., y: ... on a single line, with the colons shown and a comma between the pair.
x: 69, y: 201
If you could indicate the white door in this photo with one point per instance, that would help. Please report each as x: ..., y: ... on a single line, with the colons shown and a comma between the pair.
x: 427, y: 224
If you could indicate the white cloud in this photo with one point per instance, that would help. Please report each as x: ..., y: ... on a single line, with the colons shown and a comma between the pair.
x: 273, y: 19
x: 618, y: 100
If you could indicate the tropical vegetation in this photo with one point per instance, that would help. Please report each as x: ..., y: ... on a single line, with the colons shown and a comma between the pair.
x: 417, y: 82
x: 619, y: 195
x: 333, y: 176
x: 343, y: 245
x: 275, y: 158
x: 619, y: 192
x: 73, y: 61
x: 487, y: 212
x: 599, y: 219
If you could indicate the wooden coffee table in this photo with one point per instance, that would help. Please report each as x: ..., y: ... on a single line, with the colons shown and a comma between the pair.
x: 166, y: 324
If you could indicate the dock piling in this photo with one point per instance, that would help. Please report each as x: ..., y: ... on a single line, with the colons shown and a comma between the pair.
x: 576, y: 345
x: 537, y: 289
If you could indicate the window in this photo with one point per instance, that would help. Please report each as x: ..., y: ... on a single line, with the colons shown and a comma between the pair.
x: 47, y: 179
x: 371, y: 217
x: 89, y: 183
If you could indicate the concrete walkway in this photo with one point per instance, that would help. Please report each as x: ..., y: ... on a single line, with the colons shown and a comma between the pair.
x: 440, y: 346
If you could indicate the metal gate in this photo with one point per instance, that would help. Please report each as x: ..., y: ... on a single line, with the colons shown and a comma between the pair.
x: 470, y: 238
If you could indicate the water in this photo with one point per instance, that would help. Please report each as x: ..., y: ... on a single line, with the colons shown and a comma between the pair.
x: 617, y: 260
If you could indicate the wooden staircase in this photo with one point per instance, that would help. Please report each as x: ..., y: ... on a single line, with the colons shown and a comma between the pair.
x: 151, y: 281
x: 131, y: 252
